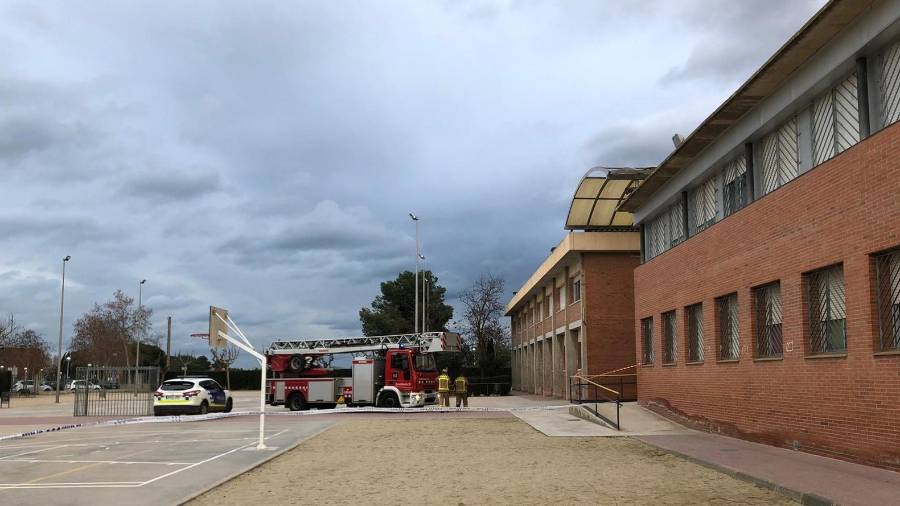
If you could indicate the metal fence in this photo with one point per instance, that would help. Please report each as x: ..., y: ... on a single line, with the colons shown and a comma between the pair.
x: 114, y: 391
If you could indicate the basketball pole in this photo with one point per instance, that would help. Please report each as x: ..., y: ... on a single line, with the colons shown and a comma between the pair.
x: 246, y: 346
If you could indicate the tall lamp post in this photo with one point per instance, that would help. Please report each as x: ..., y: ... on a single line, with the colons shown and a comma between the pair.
x: 416, y: 315
x: 424, y: 293
x: 62, y: 302
x: 137, y: 354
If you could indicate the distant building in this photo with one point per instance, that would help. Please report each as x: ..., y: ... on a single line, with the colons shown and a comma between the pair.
x: 576, y: 311
x: 768, y: 299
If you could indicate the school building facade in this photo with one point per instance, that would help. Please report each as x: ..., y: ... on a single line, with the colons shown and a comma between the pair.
x: 575, y: 313
x: 767, y: 300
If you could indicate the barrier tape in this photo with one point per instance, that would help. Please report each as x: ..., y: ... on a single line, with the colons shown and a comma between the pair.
x: 311, y: 412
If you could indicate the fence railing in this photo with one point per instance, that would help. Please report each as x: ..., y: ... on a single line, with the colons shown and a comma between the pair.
x: 603, y: 388
x: 114, y: 391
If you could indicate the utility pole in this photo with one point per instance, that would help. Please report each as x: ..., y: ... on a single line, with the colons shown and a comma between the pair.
x: 62, y: 303
x: 137, y: 355
x: 168, y: 344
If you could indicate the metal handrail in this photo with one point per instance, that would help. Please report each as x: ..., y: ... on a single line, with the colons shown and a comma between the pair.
x: 598, y: 390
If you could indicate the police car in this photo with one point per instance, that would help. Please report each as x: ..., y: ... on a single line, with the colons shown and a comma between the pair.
x: 191, y: 396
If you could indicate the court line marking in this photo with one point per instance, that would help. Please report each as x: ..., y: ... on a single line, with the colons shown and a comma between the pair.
x: 76, y: 461
x: 32, y: 452
x: 25, y: 486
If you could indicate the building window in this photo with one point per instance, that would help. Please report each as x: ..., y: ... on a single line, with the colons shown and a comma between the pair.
x: 694, y: 320
x: 827, y: 311
x: 561, y: 290
x: 576, y: 289
x: 835, y: 125
x: 767, y: 310
x: 887, y: 267
x: 890, y: 84
x: 735, y: 189
x: 647, y: 341
x: 727, y: 318
x: 540, y: 310
x: 703, y: 205
x: 665, y: 230
x: 780, y: 156
x: 670, y: 348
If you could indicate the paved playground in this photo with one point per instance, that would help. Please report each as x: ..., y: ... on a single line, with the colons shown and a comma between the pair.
x: 155, y: 463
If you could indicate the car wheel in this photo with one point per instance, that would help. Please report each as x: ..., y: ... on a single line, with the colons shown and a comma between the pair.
x: 228, y: 406
x: 296, y: 402
x: 204, y: 408
x: 388, y: 400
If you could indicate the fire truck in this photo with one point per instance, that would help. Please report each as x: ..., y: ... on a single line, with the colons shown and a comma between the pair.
x: 386, y: 371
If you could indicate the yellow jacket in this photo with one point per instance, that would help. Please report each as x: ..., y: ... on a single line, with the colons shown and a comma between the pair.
x: 443, y: 383
x: 461, y: 384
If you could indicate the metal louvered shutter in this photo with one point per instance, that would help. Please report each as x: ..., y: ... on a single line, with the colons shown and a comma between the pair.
x: 734, y: 197
x: 676, y: 223
x: 846, y: 114
x: 788, y: 152
x: 823, y: 128
x: 890, y: 85
x: 703, y: 202
x: 835, y: 120
x: 781, y: 156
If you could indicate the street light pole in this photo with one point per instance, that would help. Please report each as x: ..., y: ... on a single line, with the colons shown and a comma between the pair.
x: 62, y: 302
x: 424, y: 292
x: 137, y: 355
x: 416, y: 311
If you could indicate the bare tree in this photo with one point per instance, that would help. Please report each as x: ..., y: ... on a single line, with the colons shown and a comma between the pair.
x: 114, y: 325
x: 23, y: 348
x: 482, y: 326
x: 223, y: 358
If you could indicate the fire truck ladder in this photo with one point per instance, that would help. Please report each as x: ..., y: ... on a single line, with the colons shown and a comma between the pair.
x: 428, y: 342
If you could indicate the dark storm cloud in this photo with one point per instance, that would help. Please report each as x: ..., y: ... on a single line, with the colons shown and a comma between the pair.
x: 172, y: 185
x: 264, y: 157
x: 734, y: 39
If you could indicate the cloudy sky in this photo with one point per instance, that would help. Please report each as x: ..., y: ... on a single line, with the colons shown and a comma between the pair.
x: 263, y: 156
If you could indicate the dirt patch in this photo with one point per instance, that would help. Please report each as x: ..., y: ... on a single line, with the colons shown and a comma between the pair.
x: 471, y: 461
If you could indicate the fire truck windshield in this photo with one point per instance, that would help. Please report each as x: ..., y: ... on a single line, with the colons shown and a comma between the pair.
x: 425, y: 362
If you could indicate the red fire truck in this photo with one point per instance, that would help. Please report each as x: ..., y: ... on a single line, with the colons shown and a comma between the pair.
x: 386, y: 371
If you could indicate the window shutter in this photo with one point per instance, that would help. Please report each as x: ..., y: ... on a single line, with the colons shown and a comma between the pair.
x: 846, y: 114
x: 890, y: 85
x: 823, y: 128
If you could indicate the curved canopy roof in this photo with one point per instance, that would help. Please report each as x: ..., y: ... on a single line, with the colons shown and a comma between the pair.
x: 596, y: 201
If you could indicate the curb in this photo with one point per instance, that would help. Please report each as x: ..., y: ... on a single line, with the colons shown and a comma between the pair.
x: 805, y: 498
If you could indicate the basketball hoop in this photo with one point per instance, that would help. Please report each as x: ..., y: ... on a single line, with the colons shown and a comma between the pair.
x: 201, y: 335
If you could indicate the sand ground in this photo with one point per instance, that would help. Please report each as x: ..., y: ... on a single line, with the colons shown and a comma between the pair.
x: 477, y: 461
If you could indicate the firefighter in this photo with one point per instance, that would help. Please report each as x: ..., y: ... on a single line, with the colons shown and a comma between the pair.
x: 461, y: 386
x: 444, y: 389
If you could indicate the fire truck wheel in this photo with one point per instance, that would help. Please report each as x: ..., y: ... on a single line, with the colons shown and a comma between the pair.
x: 296, y: 363
x: 296, y: 402
x: 388, y: 400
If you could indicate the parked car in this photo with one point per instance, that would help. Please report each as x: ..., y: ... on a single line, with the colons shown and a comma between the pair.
x: 81, y: 384
x: 47, y: 387
x: 24, y: 386
x: 191, y: 395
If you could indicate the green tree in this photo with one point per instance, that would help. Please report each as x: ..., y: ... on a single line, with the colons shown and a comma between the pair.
x: 392, y: 311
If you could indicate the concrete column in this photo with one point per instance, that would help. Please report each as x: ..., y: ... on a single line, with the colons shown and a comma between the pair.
x: 570, y: 358
x: 559, y: 364
x: 548, y: 367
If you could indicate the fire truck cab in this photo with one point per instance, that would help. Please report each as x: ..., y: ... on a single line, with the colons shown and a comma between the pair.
x: 386, y: 371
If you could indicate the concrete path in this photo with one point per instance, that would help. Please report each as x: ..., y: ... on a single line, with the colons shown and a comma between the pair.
x: 634, y: 421
x: 805, y: 477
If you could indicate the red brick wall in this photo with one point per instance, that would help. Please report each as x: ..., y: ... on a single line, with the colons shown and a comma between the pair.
x: 848, y: 407
x: 608, y: 295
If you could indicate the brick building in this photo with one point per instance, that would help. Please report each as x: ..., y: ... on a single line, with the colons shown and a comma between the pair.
x: 768, y: 298
x: 576, y: 311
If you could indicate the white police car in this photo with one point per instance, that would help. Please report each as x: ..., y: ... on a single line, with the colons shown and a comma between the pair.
x: 181, y: 396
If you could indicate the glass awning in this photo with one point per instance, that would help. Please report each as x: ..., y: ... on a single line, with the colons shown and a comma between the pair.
x: 596, y: 201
